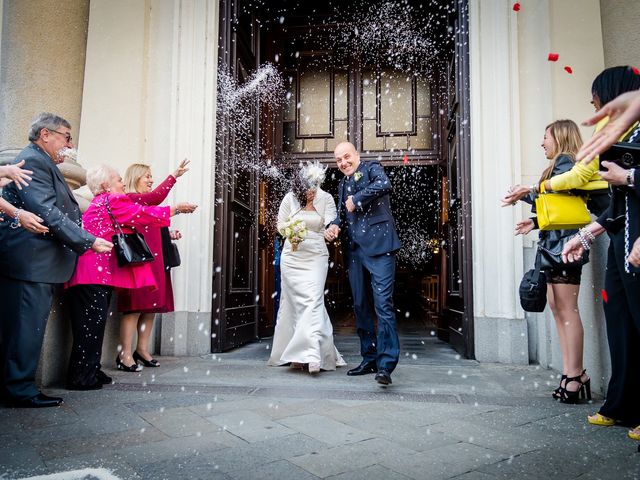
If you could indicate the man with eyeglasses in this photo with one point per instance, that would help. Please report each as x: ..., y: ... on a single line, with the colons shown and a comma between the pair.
x: 32, y: 264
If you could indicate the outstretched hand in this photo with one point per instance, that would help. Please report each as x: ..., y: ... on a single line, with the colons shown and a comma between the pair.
x: 572, y: 251
x: 101, y: 245
x: 182, y: 168
x: 524, y: 227
x: 515, y: 193
x: 32, y: 223
x: 16, y: 174
x: 622, y: 112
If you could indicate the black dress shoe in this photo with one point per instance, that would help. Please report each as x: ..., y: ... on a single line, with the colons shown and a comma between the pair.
x: 364, y: 368
x: 39, y: 401
x: 383, y: 377
x: 92, y: 386
x: 103, y: 378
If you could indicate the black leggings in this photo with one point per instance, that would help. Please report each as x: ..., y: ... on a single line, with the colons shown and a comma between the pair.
x: 88, y: 308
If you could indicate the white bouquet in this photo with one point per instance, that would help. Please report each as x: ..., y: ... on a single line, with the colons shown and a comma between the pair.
x: 295, y: 231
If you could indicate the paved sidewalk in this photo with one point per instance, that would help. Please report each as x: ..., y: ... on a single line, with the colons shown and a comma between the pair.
x: 230, y: 416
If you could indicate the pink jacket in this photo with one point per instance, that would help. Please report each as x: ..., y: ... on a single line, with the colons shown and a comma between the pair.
x: 102, y: 268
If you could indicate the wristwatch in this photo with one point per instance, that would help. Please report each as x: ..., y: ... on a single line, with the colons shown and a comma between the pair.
x: 631, y: 173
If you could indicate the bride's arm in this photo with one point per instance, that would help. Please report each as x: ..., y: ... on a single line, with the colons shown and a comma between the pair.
x: 284, y: 212
x: 330, y: 212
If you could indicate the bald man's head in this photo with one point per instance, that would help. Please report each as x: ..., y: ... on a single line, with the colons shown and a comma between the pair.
x: 347, y: 158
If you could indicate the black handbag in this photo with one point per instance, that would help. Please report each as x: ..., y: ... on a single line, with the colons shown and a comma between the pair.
x: 130, y: 248
x: 533, y: 289
x: 170, y: 252
x: 550, y: 249
x: 626, y: 155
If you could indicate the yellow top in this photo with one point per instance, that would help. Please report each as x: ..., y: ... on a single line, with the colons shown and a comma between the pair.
x: 584, y: 176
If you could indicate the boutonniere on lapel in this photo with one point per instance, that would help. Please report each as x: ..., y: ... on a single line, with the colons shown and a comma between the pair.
x: 357, y: 176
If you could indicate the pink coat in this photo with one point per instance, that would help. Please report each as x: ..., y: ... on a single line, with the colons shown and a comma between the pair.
x: 160, y: 300
x: 102, y: 268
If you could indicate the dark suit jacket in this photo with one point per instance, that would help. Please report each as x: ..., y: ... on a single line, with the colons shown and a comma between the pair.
x: 48, y: 258
x: 371, y: 226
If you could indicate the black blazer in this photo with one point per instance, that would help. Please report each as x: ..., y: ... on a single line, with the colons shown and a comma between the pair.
x: 48, y: 258
x: 371, y: 226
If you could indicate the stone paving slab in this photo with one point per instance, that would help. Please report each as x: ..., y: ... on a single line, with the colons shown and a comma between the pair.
x: 230, y: 417
x: 250, y: 426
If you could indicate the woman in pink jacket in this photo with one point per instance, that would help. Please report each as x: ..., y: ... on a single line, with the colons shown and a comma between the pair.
x: 96, y: 275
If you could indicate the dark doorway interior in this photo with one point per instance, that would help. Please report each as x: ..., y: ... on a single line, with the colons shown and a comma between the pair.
x: 414, y: 121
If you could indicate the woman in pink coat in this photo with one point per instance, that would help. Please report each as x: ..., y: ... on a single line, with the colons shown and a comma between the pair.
x: 137, y: 306
x: 96, y: 275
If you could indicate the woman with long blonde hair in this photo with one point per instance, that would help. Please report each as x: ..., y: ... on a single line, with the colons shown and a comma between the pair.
x: 139, y: 307
x: 561, y: 142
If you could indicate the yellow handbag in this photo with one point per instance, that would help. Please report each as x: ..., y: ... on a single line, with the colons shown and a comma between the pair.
x: 559, y: 211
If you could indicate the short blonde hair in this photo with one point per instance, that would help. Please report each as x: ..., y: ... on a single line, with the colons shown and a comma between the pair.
x: 133, y: 174
x: 98, y: 176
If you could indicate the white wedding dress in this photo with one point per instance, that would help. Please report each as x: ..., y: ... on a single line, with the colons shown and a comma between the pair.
x: 303, y: 332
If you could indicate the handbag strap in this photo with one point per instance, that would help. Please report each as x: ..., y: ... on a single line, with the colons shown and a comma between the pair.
x: 116, y: 225
x: 536, y: 267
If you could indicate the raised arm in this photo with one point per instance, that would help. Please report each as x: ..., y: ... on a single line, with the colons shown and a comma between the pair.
x: 378, y: 186
x: 130, y: 214
x: 155, y: 196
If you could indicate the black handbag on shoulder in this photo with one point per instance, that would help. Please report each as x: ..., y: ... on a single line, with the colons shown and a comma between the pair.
x: 130, y: 248
x: 533, y: 289
x: 170, y: 252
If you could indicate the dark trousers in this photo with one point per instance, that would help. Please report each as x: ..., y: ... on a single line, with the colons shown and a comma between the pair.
x: 372, y: 278
x: 24, y: 310
x: 622, y: 313
x: 88, y: 310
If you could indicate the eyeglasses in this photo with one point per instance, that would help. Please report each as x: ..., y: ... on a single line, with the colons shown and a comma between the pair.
x: 67, y: 136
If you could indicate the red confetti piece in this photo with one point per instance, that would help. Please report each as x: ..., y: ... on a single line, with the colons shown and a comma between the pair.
x: 635, y: 70
x: 405, y: 160
x: 605, y: 297
x: 568, y: 69
x: 516, y: 7
x: 553, y: 57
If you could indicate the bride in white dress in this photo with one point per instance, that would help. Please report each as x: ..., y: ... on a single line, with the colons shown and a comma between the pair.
x: 303, y: 333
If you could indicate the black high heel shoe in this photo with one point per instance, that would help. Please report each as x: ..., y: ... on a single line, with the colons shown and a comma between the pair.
x: 556, y: 393
x: 127, y: 368
x: 583, y: 392
x: 147, y: 363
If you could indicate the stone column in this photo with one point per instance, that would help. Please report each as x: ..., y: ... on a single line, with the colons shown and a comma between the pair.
x: 42, y: 58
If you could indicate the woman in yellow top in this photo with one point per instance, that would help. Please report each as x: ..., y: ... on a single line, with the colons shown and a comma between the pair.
x: 584, y: 176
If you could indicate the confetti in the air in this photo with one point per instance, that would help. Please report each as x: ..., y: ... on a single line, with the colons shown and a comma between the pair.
x: 553, y: 57
x: 568, y: 69
x: 516, y: 7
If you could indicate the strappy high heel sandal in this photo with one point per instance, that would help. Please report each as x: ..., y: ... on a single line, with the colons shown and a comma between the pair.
x: 583, y: 391
x: 556, y: 393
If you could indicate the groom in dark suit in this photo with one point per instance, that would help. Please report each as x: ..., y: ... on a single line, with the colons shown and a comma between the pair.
x: 33, y: 263
x: 370, y: 241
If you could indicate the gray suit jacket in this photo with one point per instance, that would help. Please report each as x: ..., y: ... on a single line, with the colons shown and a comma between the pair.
x: 48, y: 258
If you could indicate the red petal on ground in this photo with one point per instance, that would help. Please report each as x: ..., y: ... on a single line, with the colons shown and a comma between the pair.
x: 553, y: 57
x: 604, y: 296
x: 516, y: 7
x: 405, y: 160
x: 568, y: 69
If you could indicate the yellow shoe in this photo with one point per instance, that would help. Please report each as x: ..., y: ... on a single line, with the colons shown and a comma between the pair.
x: 635, y: 433
x: 601, y: 420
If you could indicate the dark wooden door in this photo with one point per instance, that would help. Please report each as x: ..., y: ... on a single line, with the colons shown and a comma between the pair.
x: 458, y: 313
x: 235, y: 282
